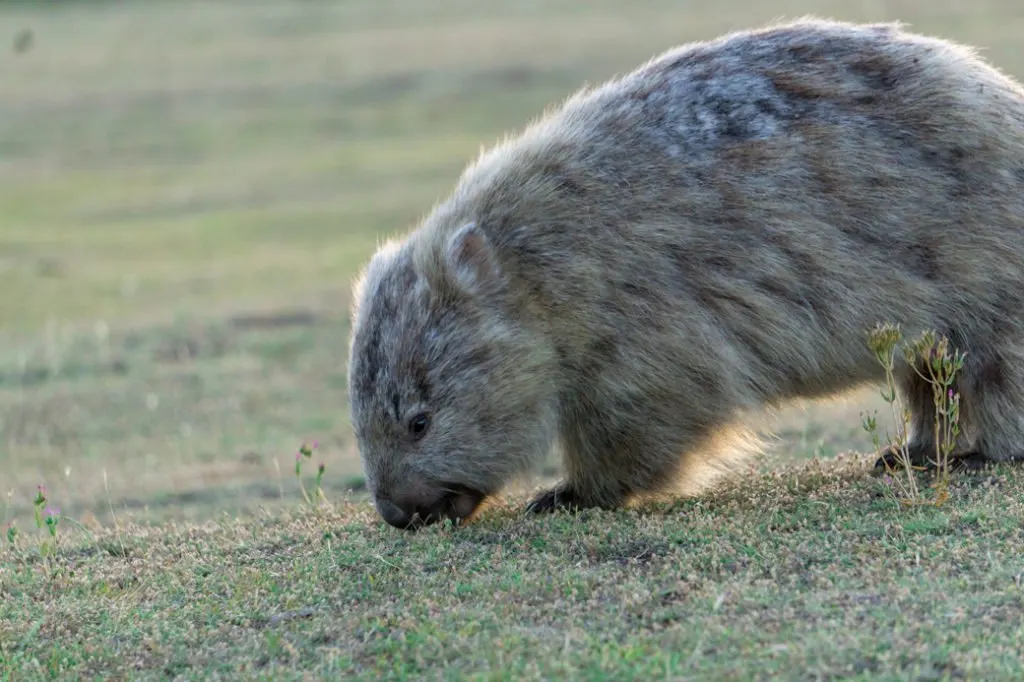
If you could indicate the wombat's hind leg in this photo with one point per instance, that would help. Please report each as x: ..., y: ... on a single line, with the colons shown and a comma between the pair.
x: 995, y: 413
x: 992, y: 410
x: 919, y: 400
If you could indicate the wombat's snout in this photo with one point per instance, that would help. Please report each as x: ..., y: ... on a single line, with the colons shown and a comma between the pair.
x: 453, y: 502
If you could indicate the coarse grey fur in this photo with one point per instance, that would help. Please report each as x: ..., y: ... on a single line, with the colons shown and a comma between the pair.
x: 714, y: 232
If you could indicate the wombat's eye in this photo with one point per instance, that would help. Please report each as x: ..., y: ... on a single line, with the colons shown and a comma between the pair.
x: 419, y: 424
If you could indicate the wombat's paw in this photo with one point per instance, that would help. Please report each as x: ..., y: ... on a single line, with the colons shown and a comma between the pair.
x: 969, y: 461
x: 890, y: 459
x: 966, y: 461
x: 553, y: 500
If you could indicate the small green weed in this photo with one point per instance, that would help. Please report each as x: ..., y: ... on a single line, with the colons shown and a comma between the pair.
x: 306, y: 452
x: 47, y: 520
x: 932, y: 359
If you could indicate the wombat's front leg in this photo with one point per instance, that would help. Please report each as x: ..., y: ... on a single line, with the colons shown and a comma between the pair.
x: 621, y: 447
x: 608, y: 457
x: 594, y: 475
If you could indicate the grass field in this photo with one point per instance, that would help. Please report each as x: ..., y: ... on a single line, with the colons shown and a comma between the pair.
x: 187, y: 189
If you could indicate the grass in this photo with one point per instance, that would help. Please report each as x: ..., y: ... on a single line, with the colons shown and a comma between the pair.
x: 808, y: 572
x: 187, y: 189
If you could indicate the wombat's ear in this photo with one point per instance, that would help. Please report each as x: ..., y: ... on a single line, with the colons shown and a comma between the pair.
x: 472, y: 260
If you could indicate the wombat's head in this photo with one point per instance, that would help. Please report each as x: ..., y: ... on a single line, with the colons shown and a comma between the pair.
x: 450, y: 393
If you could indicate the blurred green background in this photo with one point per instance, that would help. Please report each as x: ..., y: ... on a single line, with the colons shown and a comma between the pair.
x: 188, y: 188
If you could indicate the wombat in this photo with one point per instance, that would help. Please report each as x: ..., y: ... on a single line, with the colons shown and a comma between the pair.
x: 712, y: 233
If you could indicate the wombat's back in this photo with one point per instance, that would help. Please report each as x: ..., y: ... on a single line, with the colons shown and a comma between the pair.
x: 767, y: 196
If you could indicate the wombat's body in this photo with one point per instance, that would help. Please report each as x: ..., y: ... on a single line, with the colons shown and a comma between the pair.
x: 716, y: 231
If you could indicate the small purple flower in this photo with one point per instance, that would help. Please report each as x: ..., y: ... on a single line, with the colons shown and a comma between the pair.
x: 51, y: 521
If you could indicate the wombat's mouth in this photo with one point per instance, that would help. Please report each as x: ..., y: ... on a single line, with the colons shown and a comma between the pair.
x: 461, y: 501
x: 456, y: 502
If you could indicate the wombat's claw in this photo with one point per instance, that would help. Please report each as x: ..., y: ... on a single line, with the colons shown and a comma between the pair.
x: 553, y: 500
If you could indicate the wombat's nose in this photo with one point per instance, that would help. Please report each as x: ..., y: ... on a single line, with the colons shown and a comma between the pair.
x: 393, y: 514
x: 422, y: 506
